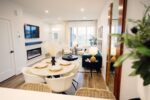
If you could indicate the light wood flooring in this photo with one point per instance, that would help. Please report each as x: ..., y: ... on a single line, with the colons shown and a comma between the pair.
x: 111, y: 82
x: 84, y: 80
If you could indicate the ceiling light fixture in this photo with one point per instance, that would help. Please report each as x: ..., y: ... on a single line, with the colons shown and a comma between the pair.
x: 82, y: 10
x: 46, y: 11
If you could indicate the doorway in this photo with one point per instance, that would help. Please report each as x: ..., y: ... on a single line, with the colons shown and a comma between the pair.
x: 7, y: 68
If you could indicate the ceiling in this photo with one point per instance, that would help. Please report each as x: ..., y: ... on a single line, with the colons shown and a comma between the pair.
x: 62, y: 10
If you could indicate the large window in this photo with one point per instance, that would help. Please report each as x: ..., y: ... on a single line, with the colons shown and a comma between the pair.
x: 82, y: 34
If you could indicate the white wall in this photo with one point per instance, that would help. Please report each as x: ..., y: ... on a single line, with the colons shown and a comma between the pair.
x: 103, y: 21
x: 13, y: 13
x: 60, y: 29
x: 129, y: 85
x: 44, y: 35
x: 54, y: 43
x: 17, y: 17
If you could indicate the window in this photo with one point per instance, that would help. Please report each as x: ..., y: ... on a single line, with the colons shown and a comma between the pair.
x: 82, y: 34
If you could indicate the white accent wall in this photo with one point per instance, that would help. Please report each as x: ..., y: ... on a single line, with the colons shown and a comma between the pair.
x: 17, y: 17
x: 44, y: 35
x: 103, y: 21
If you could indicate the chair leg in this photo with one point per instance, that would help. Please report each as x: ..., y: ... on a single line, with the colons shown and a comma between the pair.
x: 74, y: 86
x: 75, y: 82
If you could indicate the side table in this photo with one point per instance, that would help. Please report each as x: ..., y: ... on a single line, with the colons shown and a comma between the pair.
x: 92, y: 65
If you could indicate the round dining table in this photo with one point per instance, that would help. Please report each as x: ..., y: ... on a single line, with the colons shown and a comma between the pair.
x: 46, y: 71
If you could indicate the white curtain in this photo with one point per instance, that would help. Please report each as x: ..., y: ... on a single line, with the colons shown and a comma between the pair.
x: 82, y: 32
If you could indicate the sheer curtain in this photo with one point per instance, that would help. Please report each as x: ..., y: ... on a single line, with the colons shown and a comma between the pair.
x: 82, y: 32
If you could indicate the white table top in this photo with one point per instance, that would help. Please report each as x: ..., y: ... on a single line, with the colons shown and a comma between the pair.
x: 47, y: 72
x: 15, y: 94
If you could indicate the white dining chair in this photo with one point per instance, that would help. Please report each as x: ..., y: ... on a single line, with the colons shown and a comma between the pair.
x: 31, y: 78
x: 75, y: 71
x: 60, y: 84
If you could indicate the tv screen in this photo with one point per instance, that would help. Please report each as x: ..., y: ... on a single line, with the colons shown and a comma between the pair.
x: 31, y: 31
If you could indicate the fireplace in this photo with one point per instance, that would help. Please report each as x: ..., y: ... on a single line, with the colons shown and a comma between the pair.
x: 32, y: 53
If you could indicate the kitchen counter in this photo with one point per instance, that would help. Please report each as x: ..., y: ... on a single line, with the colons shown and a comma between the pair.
x: 16, y: 94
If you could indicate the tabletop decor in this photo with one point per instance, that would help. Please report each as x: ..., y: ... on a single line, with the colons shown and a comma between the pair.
x: 93, y: 51
x: 52, y: 48
x: 55, y: 68
x: 65, y: 63
x: 47, y: 61
x: 40, y: 65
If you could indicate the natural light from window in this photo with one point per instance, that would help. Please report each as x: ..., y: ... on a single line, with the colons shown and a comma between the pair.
x: 82, y: 35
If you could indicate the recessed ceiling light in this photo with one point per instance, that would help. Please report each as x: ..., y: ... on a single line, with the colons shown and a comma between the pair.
x: 46, y: 11
x: 82, y: 9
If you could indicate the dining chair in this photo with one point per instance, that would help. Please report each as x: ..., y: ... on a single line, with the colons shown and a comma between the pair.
x: 60, y: 84
x: 31, y: 78
x: 75, y: 71
x: 94, y: 92
x: 36, y: 87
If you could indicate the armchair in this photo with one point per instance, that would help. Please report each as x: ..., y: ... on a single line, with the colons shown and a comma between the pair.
x: 97, y: 65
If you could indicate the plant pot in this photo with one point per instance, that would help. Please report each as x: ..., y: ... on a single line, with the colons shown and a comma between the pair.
x: 143, y: 91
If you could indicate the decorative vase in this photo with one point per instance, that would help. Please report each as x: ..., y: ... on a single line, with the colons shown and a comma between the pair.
x: 143, y: 91
x: 53, y: 61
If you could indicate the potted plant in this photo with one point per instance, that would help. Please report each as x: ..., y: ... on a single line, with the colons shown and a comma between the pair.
x: 93, y: 41
x: 138, y: 43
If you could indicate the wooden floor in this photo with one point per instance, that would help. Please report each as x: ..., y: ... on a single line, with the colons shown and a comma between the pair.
x: 13, y: 82
x: 84, y: 79
x: 111, y: 82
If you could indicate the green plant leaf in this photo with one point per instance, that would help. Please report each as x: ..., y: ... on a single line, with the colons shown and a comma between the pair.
x: 143, y: 50
x: 146, y: 79
x: 133, y: 73
x: 136, y: 64
x: 134, y: 21
x: 131, y: 40
x: 121, y: 59
x: 116, y: 35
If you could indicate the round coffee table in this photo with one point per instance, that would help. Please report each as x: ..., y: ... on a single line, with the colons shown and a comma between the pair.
x: 69, y: 57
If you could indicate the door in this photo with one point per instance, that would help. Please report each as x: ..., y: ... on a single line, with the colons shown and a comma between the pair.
x: 7, y: 68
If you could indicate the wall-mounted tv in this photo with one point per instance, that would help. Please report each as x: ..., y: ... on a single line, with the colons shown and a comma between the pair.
x: 31, y: 31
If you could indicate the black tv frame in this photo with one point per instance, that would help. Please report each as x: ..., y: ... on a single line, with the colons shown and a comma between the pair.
x: 31, y: 33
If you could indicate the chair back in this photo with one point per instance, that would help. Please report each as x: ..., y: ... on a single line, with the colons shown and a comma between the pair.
x: 60, y: 84
x: 36, y: 87
x: 94, y: 92
x: 31, y: 78
x: 75, y: 70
